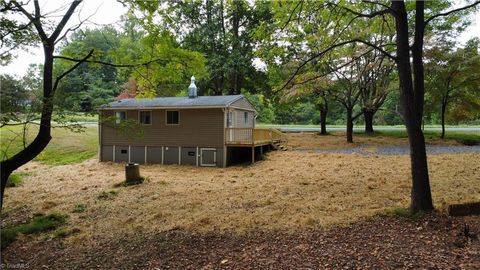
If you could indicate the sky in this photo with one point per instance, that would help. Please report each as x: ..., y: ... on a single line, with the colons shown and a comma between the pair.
x: 98, y: 13
x: 108, y: 12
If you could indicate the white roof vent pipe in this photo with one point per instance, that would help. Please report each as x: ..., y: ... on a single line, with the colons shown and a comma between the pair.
x: 192, y: 88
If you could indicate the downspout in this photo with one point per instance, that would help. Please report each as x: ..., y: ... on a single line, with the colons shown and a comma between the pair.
x: 224, y: 110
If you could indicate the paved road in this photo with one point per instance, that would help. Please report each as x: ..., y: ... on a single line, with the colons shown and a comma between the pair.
x: 397, y: 150
x: 307, y: 129
x: 315, y: 129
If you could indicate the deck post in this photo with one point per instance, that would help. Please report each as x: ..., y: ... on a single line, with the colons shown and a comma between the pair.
x: 253, y: 154
x: 179, y: 155
x: 261, y: 150
x: 196, y: 157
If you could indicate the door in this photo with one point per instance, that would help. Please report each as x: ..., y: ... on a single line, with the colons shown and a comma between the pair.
x: 208, y: 157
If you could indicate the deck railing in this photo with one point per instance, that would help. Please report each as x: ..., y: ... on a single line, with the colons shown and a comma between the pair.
x: 252, y: 136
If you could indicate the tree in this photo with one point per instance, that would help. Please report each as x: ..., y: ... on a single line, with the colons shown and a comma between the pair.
x: 48, y: 41
x: 263, y: 107
x: 374, y: 85
x: 350, y: 83
x: 130, y: 90
x: 90, y: 85
x: 411, y: 24
x: 13, y: 98
x: 222, y: 30
x: 314, y: 88
x: 453, y: 78
x: 14, y: 34
x: 167, y: 69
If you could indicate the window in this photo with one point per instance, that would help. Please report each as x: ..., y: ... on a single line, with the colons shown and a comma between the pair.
x: 145, y: 117
x: 120, y: 117
x: 172, y: 117
x: 123, y: 151
x: 245, y: 117
x: 230, y: 119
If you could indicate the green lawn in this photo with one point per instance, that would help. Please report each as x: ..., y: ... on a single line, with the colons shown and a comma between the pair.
x: 65, y: 147
x: 78, y: 117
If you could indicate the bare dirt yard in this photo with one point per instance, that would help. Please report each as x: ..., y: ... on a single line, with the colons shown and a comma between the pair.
x: 295, y: 209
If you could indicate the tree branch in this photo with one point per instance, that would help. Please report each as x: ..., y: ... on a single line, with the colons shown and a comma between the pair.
x: 64, y: 20
x: 83, y: 60
x: 331, y: 48
x: 450, y: 12
x: 35, y: 20
x: 363, y: 15
x: 291, y: 15
x: 77, y: 26
x: 356, y: 116
x: 112, y: 64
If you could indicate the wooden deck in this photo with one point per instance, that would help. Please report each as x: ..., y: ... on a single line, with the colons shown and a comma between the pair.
x: 251, y: 137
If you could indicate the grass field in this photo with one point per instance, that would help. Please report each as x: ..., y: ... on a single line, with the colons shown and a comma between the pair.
x: 65, y: 147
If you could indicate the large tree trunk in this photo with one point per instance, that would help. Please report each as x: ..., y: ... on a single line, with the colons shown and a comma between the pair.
x: 412, y: 94
x: 349, y: 125
x: 368, y: 115
x: 421, y: 198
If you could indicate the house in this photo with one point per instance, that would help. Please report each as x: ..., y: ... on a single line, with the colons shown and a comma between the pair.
x: 194, y: 130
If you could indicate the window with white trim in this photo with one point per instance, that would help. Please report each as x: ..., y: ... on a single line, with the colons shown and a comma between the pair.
x: 120, y: 117
x: 145, y: 117
x: 230, y: 119
x: 245, y: 117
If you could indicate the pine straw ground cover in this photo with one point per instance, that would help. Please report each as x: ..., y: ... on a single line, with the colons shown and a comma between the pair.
x: 289, y: 192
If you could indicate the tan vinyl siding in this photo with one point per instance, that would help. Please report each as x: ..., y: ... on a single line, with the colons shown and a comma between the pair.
x: 197, y: 127
x: 239, y: 119
x: 242, y: 103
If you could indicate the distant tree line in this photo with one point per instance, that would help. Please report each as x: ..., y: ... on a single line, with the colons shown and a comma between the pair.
x: 220, y: 52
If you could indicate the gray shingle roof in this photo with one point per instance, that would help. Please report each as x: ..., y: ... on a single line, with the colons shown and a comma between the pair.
x: 174, y: 102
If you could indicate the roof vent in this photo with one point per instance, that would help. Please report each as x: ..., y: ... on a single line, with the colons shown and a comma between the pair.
x: 192, y: 88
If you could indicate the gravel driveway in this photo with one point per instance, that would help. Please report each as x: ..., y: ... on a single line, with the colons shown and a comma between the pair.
x: 398, y: 150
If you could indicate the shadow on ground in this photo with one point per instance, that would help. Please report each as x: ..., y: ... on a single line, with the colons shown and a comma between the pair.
x: 434, y: 241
